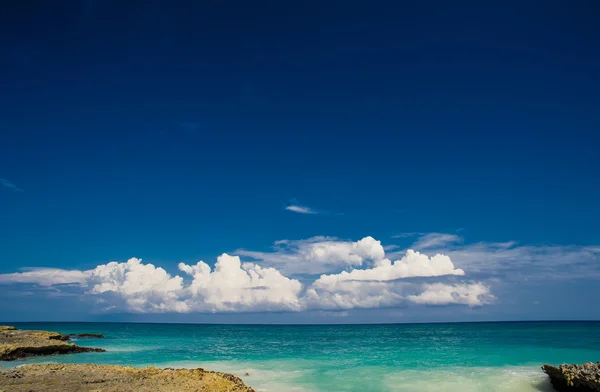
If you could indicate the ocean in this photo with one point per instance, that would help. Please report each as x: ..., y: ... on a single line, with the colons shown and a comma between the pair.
x: 466, y: 357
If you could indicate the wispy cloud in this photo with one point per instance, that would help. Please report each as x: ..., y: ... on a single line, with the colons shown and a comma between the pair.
x: 9, y: 185
x: 511, y: 261
x: 408, y: 235
x: 301, y: 209
x: 45, y: 276
x: 432, y: 240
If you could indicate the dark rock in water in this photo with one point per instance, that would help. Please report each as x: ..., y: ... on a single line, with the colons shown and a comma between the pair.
x: 59, y: 336
x: 574, y: 378
x: 29, y: 351
x: 86, y: 335
x: 15, y: 344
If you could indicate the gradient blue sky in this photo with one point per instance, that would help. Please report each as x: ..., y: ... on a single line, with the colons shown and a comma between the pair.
x: 176, y: 131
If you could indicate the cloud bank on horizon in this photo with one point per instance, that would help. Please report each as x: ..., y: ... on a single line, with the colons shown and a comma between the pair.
x: 367, y: 280
x: 319, y: 273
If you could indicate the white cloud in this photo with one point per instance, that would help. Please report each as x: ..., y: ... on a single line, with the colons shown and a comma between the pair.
x: 236, y: 287
x: 547, y: 260
x: 344, y: 295
x: 317, y: 255
x: 354, y: 294
x: 45, y: 277
x: 413, y: 264
x: 433, y: 240
x: 475, y: 294
x: 381, y: 286
x: 353, y: 274
x: 233, y: 286
x: 143, y: 287
x: 300, y: 209
x: 511, y: 261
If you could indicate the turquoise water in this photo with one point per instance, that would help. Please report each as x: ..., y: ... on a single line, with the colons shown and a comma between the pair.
x: 401, y: 357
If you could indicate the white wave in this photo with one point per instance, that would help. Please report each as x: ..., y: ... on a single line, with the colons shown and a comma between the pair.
x: 264, y: 376
x: 514, y: 379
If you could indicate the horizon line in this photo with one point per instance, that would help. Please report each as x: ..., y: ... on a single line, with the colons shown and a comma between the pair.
x: 305, y: 324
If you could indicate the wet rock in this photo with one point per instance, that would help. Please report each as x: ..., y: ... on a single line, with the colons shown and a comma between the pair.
x: 574, y: 378
x: 87, y: 335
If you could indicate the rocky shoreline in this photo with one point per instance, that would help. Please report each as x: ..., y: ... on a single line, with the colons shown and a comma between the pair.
x: 17, y: 344
x: 109, y: 378
x: 574, y: 378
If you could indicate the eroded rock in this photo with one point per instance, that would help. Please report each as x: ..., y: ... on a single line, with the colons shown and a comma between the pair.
x: 16, y: 344
x: 108, y: 378
x: 574, y: 378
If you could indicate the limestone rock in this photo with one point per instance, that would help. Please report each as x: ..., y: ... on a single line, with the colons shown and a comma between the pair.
x: 574, y: 378
x: 15, y: 344
x: 108, y: 378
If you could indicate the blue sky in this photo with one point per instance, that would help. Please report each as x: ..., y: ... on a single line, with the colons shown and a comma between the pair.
x: 176, y: 133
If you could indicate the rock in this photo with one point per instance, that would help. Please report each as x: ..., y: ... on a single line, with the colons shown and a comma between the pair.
x: 15, y: 344
x: 574, y: 378
x: 86, y: 335
x: 109, y: 378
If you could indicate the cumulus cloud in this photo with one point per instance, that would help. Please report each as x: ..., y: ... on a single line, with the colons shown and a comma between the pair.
x: 413, y: 264
x: 9, y: 185
x: 382, y: 285
x: 143, y: 287
x: 371, y: 294
x: 346, y: 295
x: 321, y: 274
x: 318, y: 254
x: 234, y: 286
x: 300, y: 209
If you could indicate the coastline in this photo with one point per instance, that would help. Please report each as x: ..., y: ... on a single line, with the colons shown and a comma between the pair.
x: 18, y: 344
x: 376, y: 358
x: 111, y: 378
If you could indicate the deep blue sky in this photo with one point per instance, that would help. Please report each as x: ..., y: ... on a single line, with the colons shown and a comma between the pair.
x: 175, y: 131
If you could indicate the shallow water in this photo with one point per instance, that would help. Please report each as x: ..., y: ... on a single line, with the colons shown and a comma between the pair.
x: 402, y: 357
